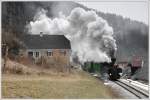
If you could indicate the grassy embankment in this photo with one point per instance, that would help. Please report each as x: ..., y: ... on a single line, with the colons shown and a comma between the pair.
x: 77, y: 84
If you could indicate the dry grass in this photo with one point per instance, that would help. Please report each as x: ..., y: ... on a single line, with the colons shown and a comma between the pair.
x: 20, y: 81
x: 13, y: 67
x: 17, y: 68
x: 58, y: 63
x: 77, y: 85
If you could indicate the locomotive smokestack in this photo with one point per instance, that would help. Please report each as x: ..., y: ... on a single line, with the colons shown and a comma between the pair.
x: 113, y: 60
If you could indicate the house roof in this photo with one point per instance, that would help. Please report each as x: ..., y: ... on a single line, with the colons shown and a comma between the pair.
x: 46, y: 42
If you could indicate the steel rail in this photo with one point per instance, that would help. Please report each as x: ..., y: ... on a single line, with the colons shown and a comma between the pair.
x: 139, y: 93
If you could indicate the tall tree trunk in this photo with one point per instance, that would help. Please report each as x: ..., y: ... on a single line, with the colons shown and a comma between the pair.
x: 5, y: 57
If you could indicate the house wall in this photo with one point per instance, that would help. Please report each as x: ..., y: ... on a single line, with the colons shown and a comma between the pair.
x: 56, y: 55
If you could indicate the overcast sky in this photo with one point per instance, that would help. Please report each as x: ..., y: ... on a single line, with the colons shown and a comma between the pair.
x: 133, y: 10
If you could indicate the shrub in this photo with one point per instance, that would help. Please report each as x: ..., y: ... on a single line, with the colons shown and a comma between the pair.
x: 17, y: 70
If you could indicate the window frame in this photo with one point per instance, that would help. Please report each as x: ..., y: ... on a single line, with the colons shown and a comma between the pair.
x: 49, y: 53
x: 37, y: 52
x: 30, y: 52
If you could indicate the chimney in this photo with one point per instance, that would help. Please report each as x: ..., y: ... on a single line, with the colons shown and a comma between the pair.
x: 41, y: 34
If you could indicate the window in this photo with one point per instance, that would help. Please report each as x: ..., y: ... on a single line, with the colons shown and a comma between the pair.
x: 36, y: 54
x: 63, y: 52
x: 30, y: 54
x: 49, y: 53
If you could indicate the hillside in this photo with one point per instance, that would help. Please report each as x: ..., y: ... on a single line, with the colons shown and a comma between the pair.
x: 22, y: 81
x: 131, y: 36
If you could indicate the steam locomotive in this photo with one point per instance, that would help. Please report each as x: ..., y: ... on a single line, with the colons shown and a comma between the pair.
x: 111, y: 68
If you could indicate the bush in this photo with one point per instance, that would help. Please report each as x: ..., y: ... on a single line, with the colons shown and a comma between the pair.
x: 17, y: 70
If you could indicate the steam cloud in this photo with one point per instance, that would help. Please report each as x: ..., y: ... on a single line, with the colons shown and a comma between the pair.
x: 91, y: 37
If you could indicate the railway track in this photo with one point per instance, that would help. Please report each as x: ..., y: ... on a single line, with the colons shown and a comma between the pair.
x: 141, y: 94
x: 138, y: 84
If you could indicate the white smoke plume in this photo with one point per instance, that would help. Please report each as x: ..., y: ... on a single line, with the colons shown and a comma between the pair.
x: 91, y: 37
